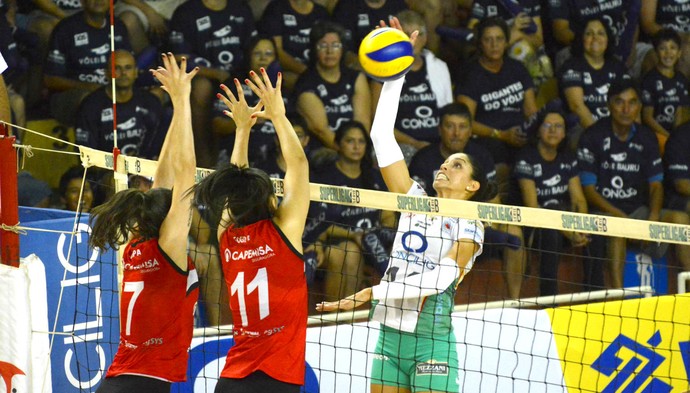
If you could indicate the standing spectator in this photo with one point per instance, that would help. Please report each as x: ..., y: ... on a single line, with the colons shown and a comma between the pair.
x: 500, y: 95
x: 330, y: 93
x: 360, y: 17
x: 79, y: 53
x: 622, y: 173
x: 214, y: 35
x: 665, y: 98
x: 548, y: 177
x: 261, y: 246
x: 289, y: 23
x: 585, y: 78
x: 139, y: 114
x: 154, y: 225
x: 427, y: 88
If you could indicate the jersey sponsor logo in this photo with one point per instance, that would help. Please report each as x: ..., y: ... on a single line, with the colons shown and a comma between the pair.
x: 492, y: 10
x: 107, y: 114
x: 580, y: 223
x: 81, y: 39
x: 176, y: 37
x: 619, y: 157
x: 432, y: 367
x: 603, y: 89
x: 101, y: 50
x: 678, y: 167
x: 523, y: 167
x: 669, y: 233
x: 636, y: 146
x: 289, y: 20
x: 553, y: 180
x: 342, y: 100
x: 135, y: 253
x: 222, y: 32
x: 261, y: 251
x: 363, y: 20
x: 499, y: 213
x: 419, y: 89
x: 241, y: 239
x: 203, y: 23
x: 56, y: 57
x: 132, y: 122
x: 146, y: 265
x: 153, y: 341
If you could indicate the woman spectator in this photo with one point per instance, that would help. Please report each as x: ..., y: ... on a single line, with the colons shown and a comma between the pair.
x: 288, y: 22
x: 499, y: 93
x: 585, y: 78
x: 329, y: 94
x: 548, y: 177
x: 342, y: 254
x: 261, y: 53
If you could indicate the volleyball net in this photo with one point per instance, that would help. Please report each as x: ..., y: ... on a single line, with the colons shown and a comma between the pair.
x: 585, y: 337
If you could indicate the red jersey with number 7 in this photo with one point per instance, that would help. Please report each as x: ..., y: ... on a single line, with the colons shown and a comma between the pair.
x: 268, y: 298
x: 156, y: 314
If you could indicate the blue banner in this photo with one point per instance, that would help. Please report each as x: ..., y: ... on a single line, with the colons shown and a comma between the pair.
x: 82, y: 282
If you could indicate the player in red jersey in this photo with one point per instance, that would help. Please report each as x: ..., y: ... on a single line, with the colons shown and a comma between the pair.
x: 153, y: 339
x: 261, y: 249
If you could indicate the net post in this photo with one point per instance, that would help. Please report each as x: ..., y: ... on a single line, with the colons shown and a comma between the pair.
x: 9, y: 200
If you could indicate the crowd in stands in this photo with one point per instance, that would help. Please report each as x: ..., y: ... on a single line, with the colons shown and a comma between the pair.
x: 577, y: 105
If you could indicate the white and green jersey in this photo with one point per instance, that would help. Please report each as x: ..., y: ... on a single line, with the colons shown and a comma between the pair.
x: 417, y: 292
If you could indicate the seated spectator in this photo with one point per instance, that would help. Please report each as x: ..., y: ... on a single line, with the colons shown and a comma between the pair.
x: 46, y: 16
x: 427, y: 88
x: 31, y: 191
x: 289, y: 24
x: 526, y: 34
x: 16, y: 72
x: 548, y: 177
x: 70, y: 189
x: 500, y: 95
x: 360, y: 17
x: 455, y: 130
x: 668, y: 14
x: 621, y: 174
x: 261, y: 53
x: 665, y: 98
x: 214, y: 37
x: 140, y: 118
x: 585, y: 78
x: 330, y: 93
x: 342, y: 240
x: 79, y: 52
x: 569, y: 17
x: 677, y: 174
x: 146, y: 21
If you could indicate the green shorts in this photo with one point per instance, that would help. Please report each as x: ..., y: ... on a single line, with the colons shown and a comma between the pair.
x: 420, y: 364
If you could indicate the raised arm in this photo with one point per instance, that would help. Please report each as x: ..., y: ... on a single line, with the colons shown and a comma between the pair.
x: 292, y: 212
x: 177, y: 163
x: 244, y: 117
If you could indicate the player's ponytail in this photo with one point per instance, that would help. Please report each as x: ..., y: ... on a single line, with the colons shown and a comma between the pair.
x: 487, y: 189
x: 129, y: 211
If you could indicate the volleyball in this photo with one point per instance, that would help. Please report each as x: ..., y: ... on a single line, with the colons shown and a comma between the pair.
x: 386, y: 54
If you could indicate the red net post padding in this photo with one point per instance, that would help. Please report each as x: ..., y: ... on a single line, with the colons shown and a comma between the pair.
x: 9, y: 201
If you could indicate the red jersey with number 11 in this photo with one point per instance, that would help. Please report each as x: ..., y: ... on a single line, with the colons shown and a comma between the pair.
x: 268, y: 298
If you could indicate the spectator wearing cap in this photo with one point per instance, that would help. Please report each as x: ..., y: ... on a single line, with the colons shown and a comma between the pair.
x: 621, y: 174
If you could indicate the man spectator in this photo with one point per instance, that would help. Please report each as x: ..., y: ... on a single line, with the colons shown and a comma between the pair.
x: 79, y: 52
x: 622, y: 173
x: 455, y: 129
x: 214, y: 35
x: 139, y: 114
